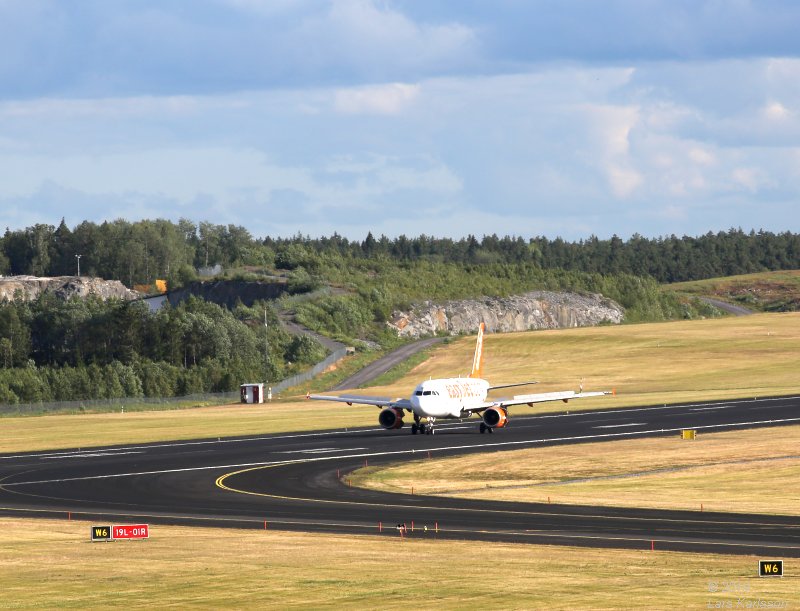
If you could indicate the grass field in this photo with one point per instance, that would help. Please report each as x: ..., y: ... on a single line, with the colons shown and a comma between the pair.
x: 52, y: 564
x: 739, y: 471
x: 749, y: 356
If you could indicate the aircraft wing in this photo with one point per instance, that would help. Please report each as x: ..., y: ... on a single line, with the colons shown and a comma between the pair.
x: 563, y: 395
x: 512, y: 385
x: 363, y: 400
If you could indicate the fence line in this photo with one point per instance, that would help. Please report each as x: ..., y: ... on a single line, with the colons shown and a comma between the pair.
x: 121, y: 402
x: 333, y: 357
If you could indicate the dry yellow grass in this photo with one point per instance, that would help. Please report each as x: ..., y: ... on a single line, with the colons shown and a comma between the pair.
x: 671, y: 362
x: 653, y: 363
x: 85, y: 430
x: 739, y: 471
x: 660, y: 363
x: 52, y: 564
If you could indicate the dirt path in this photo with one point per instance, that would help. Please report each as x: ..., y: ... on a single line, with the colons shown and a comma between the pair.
x: 296, y: 329
x: 736, y: 310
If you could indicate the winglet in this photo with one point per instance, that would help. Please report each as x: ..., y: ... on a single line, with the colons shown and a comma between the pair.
x: 477, y: 360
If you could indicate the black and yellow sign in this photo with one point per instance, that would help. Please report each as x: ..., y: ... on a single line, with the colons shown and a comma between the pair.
x: 101, y: 533
x: 770, y: 568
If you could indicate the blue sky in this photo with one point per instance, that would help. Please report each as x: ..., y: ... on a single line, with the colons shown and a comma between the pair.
x: 557, y: 118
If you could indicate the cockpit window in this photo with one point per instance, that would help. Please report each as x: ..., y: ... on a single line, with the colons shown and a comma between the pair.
x: 426, y: 393
x: 418, y: 393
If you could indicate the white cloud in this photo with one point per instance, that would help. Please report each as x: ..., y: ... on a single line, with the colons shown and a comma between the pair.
x: 776, y: 111
x: 561, y: 149
x: 388, y: 99
x: 701, y: 156
x: 624, y: 180
x: 672, y: 212
x: 265, y: 7
x: 612, y: 126
x: 362, y: 26
x: 240, y: 184
x: 76, y: 108
x: 747, y: 178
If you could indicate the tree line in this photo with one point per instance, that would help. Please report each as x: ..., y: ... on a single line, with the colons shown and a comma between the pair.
x: 140, y: 252
x: 57, y: 350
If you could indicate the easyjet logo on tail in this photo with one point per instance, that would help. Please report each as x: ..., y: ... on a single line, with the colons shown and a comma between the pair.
x: 477, y: 360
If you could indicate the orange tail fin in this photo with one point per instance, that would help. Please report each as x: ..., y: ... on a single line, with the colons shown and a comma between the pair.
x: 477, y: 360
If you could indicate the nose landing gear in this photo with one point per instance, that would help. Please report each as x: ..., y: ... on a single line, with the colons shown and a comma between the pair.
x: 485, y: 428
x: 421, y: 427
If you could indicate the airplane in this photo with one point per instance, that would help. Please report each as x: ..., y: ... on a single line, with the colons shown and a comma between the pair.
x: 455, y: 398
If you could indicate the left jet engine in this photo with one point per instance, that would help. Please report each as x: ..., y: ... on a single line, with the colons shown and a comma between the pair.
x: 495, y: 418
x: 391, y: 418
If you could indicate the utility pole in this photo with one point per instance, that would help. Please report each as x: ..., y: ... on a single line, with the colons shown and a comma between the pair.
x: 78, y: 257
x: 266, y: 355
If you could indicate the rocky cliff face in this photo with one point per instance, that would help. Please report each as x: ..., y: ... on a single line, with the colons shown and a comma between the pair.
x: 535, y: 310
x: 64, y: 287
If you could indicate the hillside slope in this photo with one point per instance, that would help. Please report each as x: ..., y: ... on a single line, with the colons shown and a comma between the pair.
x: 764, y: 292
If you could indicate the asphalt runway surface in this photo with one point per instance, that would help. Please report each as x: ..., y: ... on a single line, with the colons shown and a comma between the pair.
x: 299, y: 482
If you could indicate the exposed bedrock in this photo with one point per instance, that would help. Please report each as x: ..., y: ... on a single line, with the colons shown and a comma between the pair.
x: 534, y: 310
x: 30, y: 287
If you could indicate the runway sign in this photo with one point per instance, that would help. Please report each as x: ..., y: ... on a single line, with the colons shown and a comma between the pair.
x: 131, y: 531
x: 101, y: 533
x: 688, y: 434
x: 770, y: 568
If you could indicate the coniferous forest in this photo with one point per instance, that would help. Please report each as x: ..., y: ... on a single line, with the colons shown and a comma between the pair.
x: 139, y: 252
x: 52, y: 350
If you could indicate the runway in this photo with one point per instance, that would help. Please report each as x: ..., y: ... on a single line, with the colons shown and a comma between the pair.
x: 299, y: 482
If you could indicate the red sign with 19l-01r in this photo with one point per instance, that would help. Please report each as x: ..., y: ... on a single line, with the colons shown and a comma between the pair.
x: 131, y: 531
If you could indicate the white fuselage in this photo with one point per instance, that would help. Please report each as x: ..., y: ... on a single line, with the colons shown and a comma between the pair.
x: 448, y: 397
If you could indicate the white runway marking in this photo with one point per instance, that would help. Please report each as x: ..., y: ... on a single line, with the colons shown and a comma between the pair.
x: 705, y: 409
x: 320, y: 450
x: 617, y: 426
x: 87, y: 455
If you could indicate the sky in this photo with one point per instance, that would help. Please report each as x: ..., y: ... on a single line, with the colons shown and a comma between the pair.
x: 555, y: 118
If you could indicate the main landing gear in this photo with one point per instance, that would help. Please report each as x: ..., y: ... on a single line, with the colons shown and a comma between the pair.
x: 485, y: 428
x: 422, y: 428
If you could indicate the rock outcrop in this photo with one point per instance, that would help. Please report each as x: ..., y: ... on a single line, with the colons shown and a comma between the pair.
x: 64, y: 287
x: 535, y: 310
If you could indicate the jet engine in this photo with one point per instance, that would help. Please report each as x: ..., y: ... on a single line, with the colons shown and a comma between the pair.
x: 495, y: 417
x: 391, y: 418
